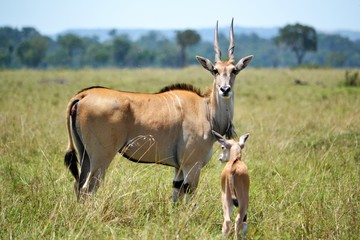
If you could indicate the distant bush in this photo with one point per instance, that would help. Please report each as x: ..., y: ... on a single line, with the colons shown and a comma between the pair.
x: 352, y: 79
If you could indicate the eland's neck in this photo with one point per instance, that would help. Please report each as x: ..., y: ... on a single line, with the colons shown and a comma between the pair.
x: 222, y: 112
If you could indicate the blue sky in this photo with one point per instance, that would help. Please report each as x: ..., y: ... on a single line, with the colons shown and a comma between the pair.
x: 53, y: 16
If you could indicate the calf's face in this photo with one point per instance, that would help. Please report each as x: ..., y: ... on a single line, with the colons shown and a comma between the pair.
x: 229, y: 146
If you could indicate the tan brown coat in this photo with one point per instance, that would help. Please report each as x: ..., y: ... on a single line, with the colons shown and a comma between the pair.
x: 164, y: 127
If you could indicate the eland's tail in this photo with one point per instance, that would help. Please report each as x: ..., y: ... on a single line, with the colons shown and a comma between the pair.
x: 71, y: 161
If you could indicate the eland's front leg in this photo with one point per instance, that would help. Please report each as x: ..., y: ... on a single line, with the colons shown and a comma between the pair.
x: 178, y: 188
x: 192, y: 177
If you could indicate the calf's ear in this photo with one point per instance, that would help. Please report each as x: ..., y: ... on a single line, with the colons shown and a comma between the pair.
x: 243, y: 139
x: 220, y: 138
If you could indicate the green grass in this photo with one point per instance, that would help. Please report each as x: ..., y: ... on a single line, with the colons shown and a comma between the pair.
x: 303, y: 155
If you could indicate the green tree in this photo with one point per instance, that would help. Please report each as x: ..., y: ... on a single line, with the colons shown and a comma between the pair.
x: 335, y: 59
x: 113, y: 33
x: 73, y: 45
x: 98, y: 55
x: 120, y: 47
x: 9, y: 38
x: 57, y: 58
x: 32, y: 52
x: 152, y: 49
x: 138, y: 56
x: 184, y: 39
x: 299, y: 39
x: 5, y: 57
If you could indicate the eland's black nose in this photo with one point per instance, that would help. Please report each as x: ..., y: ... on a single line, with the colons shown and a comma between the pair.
x: 225, y: 89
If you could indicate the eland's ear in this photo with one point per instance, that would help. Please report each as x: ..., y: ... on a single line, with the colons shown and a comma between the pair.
x: 243, y: 139
x: 220, y: 138
x: 243, y: 63
x: 206, y: 63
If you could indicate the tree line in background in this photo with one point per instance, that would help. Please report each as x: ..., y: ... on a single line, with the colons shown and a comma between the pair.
x: 295, y: 45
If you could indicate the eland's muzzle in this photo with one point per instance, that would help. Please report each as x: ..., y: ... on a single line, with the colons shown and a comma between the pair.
x: 225, y: 91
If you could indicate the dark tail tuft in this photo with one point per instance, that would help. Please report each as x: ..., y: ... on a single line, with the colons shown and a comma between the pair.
x: 71, y: 163
x: 235, y: 202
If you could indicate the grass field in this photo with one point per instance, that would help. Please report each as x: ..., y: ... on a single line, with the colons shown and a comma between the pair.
x: 303, y: 155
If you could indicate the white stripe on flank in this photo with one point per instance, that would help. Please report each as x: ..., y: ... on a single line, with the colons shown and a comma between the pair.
x: 178, y: 100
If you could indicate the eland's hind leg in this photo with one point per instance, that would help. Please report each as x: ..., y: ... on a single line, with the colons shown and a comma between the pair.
x: 99, y: 162
x: 96, y: 179
x: 81, y: 187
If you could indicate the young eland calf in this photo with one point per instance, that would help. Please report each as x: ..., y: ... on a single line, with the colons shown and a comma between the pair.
x: 235, y: 183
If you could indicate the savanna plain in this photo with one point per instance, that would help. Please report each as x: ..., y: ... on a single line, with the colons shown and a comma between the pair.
x: 303, y: 156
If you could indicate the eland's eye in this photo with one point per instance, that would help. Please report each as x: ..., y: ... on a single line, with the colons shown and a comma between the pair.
x: 234, y: 71
x: 215, y: 71
x: 222, y: 147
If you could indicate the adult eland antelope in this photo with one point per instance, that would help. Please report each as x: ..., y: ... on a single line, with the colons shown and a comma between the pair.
x: 164, y: 128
